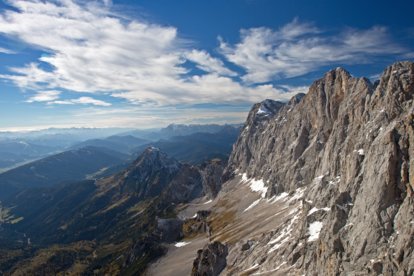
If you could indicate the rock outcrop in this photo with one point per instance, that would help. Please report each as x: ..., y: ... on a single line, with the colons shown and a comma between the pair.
x: 211, y: 260
x: 347, y: 147
x: 211, y: 173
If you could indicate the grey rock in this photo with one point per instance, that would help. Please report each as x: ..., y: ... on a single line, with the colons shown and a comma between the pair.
x: 211, y: 260
x: 150, y: 173
x: 350, y: 145
x: 211, y: 173
x: 169, y: 230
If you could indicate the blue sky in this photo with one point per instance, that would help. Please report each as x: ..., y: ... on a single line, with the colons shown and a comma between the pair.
x: 149, y: 63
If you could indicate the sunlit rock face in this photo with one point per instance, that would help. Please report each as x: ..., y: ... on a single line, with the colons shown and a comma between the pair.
x: 346, y: 150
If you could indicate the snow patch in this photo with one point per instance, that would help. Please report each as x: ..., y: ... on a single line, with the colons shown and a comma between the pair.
x: 280, y: 197
x: 207, y: 202
x: 298, y: 194
x: 181, y: 244
x: 284, y: 235
x: 259, y: 187
x: 319, y: 177
x: 255, y: 185
x: 361, y: 152
x: 269, y: 271
x: 314, y: 210
x: 263, y: 110
x: 335, y: 181
x: 314, y: 230
x: 252, y: 205
x: 251, y: 268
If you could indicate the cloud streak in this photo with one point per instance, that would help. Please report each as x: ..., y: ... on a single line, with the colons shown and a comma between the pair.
x: 88, y: 49
x: 81, y: 100
x: 207, y: 63
x: 299, y: 48
x: 44, y: 96
x: 6, y: 51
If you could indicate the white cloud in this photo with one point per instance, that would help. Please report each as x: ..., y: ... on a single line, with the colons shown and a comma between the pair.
x: 90, y: 49
x: 148, y: 117
x: 299, y: 48
x: 44, y: 96
x: 207, y: 63
x: 89, y: 100
x: 52, y: 97
x: 87, y: 48
x: 82, y: 100
x: 6, y: 51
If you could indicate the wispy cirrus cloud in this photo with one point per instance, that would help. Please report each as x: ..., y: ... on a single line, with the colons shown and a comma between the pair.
x: 89, y: 49
x: 81, y: 100
x: 44, y: 96
x: 6, y: 51
x: 207, y: 63
x: 51, y: 97
x: 299, y: 48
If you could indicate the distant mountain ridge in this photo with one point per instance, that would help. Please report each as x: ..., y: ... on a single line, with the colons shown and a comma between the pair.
x: 69, y: 166
x: 118, y: 215
x: 124, y: 144
x: 198, y: 147
x: 173, y: 130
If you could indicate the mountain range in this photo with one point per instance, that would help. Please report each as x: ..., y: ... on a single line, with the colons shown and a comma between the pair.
x: 319, y: 185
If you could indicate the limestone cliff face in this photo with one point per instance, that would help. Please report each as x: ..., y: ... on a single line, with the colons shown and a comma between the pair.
x: 349, y: 145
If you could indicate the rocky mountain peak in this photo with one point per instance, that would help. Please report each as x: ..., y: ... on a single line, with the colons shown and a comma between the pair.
x: 346, y: 150
x: 398, y: 78
x: 156, y: 159
x: 150, y: 173
x: 263, y: 111
x: 296, y: 99
x: 268, y: 108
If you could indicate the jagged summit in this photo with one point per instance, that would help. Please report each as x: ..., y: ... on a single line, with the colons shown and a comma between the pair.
x: 156, y: 158
x: 347, y: 147
x: 296, y: 99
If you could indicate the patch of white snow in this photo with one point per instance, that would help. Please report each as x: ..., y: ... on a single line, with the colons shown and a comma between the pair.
x: 314, y: 210
x: 181, y: 244
x: 263, y: 110
x: 269, y: 271
x: 314, y: 230
x: 258, y: 186
x: 280, y: 197
x: 252, y: 205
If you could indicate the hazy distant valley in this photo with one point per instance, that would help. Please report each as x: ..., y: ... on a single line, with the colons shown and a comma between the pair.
x: 42, y: 200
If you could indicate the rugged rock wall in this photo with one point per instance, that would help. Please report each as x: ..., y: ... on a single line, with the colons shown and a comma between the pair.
x: 210, y: 261
x: 350, y: 145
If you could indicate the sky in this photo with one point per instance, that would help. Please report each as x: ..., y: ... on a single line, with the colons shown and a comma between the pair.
x: 149, y: 63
